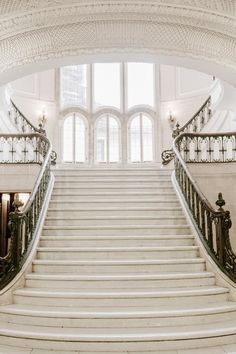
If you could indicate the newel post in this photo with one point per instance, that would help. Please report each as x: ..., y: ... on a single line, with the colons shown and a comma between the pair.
x: 222, y: 230
x: 14, y: 225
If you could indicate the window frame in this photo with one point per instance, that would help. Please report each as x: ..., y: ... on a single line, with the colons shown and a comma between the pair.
x: 75, y: 114
x: 131, y: 118
x: 107, y: 115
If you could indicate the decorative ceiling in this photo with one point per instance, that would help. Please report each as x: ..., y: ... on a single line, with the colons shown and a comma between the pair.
x: 33, y: 31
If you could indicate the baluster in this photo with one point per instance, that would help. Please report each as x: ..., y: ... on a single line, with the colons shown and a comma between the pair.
x: 203, y: 223
x: 193, y: 202
x: 209, y: 230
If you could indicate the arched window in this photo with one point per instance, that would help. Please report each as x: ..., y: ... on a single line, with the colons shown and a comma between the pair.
x: 74, y: 139
x: 107, y: 140
x: 141, y: 139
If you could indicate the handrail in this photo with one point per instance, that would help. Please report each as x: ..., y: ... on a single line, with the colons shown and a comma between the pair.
x: 189, y: 124
x: 24, y: 124
x: 23, y: 223
x: 194, y: 124
x: 25, y: 121
x: 212, y: 225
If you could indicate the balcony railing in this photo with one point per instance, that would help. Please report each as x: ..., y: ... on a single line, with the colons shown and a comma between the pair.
x: 194, y: 125
x: 24, y: 149
x: 212, y: 226
x: 23, y: 125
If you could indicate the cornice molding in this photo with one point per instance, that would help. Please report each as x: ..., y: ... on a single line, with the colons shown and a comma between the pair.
x: 33, y: 31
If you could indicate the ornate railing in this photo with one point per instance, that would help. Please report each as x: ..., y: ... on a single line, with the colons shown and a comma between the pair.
x: 212, y: 226
x: 24, y: 149
x: 194, y: 125
x: 23, y: 125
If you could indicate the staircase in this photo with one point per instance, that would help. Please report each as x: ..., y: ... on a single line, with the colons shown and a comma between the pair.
x: 117, y: 271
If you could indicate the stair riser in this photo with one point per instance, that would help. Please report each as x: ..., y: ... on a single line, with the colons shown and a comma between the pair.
x: 118, y: 302
x: 78, y: 184
x: 118, y: 284
x: 117, y: 213
x: 76, y: 255
x: 107, y: 204
x: 112, y: 221
x: 135, y: 347
x: 136, y: 322
x: 116, y: 232
x: 121, y: 190
x: 127, y: 269
x: 119, y: 195
x: 110, y: 173
x: 118, y: 243
x: 121, y: 178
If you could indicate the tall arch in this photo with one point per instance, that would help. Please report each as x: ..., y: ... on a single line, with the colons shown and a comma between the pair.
x: 107, y: 139
x: 74, y: 139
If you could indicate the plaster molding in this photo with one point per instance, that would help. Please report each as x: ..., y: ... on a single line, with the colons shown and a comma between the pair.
x: 33, y: 32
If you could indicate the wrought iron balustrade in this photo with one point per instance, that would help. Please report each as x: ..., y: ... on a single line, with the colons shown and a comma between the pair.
x: 23, y: 125
x: 194, y: 125
x: 21, y: 149
x: 212, y: 226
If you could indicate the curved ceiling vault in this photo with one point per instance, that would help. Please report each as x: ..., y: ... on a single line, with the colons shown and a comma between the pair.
x: 36, y: 35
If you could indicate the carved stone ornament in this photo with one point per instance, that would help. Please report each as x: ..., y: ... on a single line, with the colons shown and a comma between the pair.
x: 33, y: 31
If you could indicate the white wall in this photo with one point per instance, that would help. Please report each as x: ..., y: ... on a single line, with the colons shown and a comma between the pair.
x: 35, y: 93
x: 178, y: 89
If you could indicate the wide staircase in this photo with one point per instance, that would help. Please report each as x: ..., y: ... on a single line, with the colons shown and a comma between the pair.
x: 117, y: 271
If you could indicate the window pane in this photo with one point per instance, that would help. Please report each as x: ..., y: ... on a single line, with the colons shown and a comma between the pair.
x: 107, y: 84
x: 135, y: 145
x: 147, y: 139
x: 79, y: 140
x: 68, y: 140
x: 74, y: 85
x: 140, y: 84
x: 102, y: 140
x: 113, y: 140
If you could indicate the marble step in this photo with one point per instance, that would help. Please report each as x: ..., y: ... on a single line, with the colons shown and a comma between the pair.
x: 118, y: 194
x: 120, y: 179
x: 112, y: 172
x: 115, y: 298
x: 122, y: 317
x: 116, y: 230
x: 117, y: 281
x: 78, y: 212
x: 97, y: 190
x: 119, y: 266
x: 115, y: 340
x: 99, y: 253
x: 106, y: 220
x: 102, y: 202
x: 89, y: 241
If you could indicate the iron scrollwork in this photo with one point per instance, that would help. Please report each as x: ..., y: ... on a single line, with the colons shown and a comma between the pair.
x: 213, y: 225
x: 194, y: 125
x: 23, y: 223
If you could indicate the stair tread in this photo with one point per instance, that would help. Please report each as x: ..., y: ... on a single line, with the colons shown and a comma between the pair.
x: 115, y: 209
x: 133, y: 276
x: 161, y: 311
x: 119, y: 262
x: 128, y: 226
x: 139, y: 293
x: 119, y: 334
x: 114, y: 217
x: 137, y: 237
x: 117, y: 249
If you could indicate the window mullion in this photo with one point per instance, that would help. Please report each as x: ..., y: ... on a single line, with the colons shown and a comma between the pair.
x: 108, y: 139
x: 141, y: 137
x: 74, y: 139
